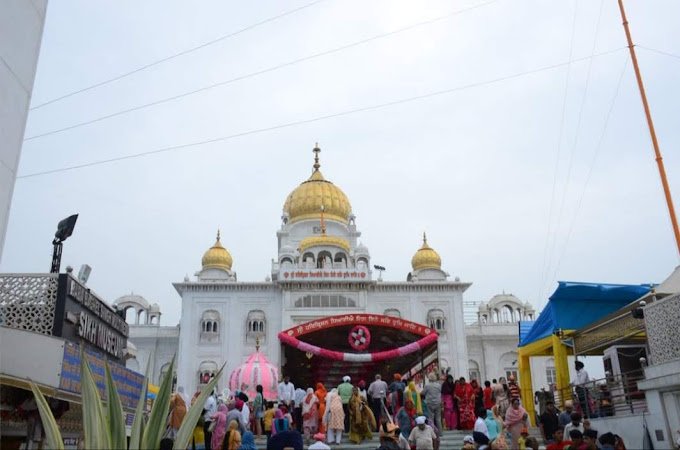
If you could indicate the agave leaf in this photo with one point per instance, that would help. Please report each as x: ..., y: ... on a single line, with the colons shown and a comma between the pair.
x: 94, y: 421
x: 52, y: 434
x: 114, y: 411
x: 191, y: 418
x: 156, y: 426
x: 138, y: 421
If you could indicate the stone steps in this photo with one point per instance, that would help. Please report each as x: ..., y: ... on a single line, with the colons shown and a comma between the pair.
x: 452, y: 439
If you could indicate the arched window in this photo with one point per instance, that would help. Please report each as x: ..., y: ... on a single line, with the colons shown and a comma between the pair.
x: 325, y: 301
x: 436, y: 320
x: 255, y: 325
x: 286, y: 260
x: 392, y: 312
x: 473, y: 370
x: 507, y: 314
x: 340, y: 260
x: 210, y: 326
x: 206, y: 372
x: 308, y: 259
x: 324, y: 260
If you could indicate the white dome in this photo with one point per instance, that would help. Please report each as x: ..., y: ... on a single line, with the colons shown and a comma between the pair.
x: 132, y: 298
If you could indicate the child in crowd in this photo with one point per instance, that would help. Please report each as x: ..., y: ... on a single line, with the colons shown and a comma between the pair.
x: 522, y: 441
x: 268, y: 418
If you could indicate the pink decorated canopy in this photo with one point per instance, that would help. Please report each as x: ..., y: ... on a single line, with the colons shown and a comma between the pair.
x: 256, y: 370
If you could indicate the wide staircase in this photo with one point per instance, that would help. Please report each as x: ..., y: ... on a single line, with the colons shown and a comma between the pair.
x: 450, y: 440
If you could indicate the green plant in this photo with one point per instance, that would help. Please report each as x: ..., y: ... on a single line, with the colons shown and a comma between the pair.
x: 104, y: 428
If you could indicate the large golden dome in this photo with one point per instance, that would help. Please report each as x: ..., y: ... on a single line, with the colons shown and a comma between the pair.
x: 306, y: 200
x: 217, y: 257
x: 426, y: 257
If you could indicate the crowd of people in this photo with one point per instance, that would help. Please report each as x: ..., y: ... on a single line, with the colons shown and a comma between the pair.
x: 405, y: 414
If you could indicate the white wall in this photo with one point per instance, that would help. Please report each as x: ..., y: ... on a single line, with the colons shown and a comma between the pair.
x: 630, y: 428
x: 21, y: 28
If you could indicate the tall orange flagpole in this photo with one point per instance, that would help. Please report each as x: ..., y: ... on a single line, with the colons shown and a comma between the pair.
x: 650, y: 124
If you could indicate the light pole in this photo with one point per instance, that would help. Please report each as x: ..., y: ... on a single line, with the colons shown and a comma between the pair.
x: 64, y: 230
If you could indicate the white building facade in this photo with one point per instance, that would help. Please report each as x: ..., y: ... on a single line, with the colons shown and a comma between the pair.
x: 321, y: 269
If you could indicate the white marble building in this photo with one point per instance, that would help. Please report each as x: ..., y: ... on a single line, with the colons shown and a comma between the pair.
x: 321, y: 269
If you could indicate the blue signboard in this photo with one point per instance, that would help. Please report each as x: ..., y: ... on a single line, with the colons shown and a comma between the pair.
x: 128, y: 383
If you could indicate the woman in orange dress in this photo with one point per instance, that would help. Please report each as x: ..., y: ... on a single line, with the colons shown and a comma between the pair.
x: 321, y: 395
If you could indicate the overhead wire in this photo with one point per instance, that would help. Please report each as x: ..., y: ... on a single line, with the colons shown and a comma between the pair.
x: 577, y: 133
x: 547, y: 246
x: 598, y: 146
x: 262, y: 71
x: 660, y: 52
x: 315, y: 119
x: 176, y: 55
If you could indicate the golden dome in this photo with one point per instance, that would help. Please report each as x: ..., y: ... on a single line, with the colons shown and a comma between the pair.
x: 426, y: 257
x: 315, y: 241
x: 306, y: 200
x: 217, y: 257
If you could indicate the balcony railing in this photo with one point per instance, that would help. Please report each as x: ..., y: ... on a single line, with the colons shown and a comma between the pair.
x: 611, y: 396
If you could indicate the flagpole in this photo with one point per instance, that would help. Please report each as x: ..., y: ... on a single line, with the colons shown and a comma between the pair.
x: 652, y: 132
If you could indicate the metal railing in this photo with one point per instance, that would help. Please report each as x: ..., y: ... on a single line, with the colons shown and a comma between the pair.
x: 610, y: 396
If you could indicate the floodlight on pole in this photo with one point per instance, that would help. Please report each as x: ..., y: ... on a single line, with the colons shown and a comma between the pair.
x: 380, y: 269
x: 64, y: 231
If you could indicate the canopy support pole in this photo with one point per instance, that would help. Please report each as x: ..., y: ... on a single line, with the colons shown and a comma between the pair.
x: 526, y: 386
x: 561, y: 370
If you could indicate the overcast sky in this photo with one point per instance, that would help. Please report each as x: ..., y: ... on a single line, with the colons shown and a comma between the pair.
x: 474, y: 167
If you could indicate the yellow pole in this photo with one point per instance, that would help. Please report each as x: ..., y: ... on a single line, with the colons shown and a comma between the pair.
x: 526, y: 386
x: 561, y: 370
x: 652, y: 132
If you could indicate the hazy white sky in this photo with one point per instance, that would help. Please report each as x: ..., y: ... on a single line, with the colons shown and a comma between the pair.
x: 473, y: 167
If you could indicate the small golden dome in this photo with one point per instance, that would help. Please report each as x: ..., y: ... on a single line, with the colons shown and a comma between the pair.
x: 316, y: 241
x: 306, y: 200
x: 426, y: 257
x: 217, y: 257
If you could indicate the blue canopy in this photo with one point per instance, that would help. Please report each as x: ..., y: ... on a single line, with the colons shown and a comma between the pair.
x: 574, y: 305
x: 524, y: 328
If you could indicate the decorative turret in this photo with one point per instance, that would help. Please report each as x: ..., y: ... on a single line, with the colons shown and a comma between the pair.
x: 217, y: 257
x: 426, y: 257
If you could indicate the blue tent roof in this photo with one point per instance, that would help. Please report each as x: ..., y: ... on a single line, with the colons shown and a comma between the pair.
x: 574, y: 305
x: 524, y: 328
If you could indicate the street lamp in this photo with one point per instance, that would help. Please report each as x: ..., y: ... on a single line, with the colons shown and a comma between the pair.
x: 64, y: 230
x: 380, y: 269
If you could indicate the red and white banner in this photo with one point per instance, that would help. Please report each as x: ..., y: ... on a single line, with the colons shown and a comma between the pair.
x: 290, y: 336
x: 358, y: 319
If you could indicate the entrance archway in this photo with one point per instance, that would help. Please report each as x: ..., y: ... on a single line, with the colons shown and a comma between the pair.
x: 358, y: 345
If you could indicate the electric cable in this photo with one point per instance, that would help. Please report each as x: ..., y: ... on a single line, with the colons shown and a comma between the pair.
x: 660, y: 52
x: 176, y: 55
x: 546, y: 259
x: 577, y: 132
x: 315, y: 119
x: 258, y: 72
x: 598, y: 146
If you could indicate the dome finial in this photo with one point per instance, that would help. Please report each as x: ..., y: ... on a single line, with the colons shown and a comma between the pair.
x: 424, y: 239
x: 316, y: 151
x: 218, y: 235
x: 257, y: 343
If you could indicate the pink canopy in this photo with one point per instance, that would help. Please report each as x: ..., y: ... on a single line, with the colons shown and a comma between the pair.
x: 256, y: 370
